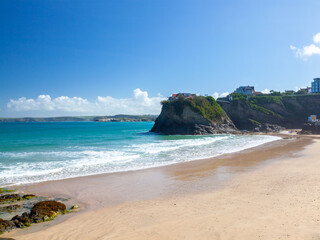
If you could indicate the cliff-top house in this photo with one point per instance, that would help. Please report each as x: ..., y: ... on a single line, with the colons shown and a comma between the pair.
x: 248, y: 90
x: 177, y: 95
x: 307, y: 90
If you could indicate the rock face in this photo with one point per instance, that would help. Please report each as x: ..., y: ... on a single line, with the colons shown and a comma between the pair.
x: 311, y: 128
x: 284, y: 111
x: 267, y: 128
x: 198, y: 116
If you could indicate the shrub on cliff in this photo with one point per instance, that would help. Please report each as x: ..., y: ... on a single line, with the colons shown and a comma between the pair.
x: 206, y: 106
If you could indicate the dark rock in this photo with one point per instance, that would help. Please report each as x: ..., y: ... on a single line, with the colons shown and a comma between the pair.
x: 9, y: 198
x: 22, y: 221
x: 28, y: 196
x: 181, y: 117
x: 41, y: 211
x: 5, y: 225
x: 267, y: 128
x: 10, y: 208
x: 311, y: 128
x: 46, y: 210
x: 5, y: 190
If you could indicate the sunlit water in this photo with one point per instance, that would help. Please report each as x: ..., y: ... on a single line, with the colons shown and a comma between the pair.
x: 34, y: 152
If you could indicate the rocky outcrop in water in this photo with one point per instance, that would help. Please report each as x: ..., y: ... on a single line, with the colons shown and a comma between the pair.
x: 193, y: 116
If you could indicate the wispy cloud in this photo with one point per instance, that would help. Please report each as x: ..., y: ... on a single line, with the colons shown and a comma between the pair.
x: 309, y: 50
x: 217, y: 95
x: 265, y: 91
x: 45, y: 105
x: 316, y: 38
x: 139, y: 103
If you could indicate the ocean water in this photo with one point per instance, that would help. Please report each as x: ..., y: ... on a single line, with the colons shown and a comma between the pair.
x: 35, y: 152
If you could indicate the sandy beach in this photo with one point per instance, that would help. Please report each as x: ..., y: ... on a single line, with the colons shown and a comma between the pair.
x: 159, y: 120
x: 268, y: 192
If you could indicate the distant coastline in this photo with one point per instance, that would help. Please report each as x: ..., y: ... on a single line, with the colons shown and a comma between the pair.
x: 115, y: 118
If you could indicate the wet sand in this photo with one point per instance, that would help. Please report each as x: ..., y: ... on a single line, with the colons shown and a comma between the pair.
x: 268, y: 192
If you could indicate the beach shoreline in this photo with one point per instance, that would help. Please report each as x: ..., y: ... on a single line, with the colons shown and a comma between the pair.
x: 176, y: 169
x: 178, y: 181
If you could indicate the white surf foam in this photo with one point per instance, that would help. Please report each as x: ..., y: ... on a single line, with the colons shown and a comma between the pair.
x: 43, y: 166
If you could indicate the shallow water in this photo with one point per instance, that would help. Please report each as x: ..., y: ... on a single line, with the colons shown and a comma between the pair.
x: 35, y: 152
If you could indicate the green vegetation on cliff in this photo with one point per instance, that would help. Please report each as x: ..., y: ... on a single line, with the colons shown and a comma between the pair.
x: 206, y: 106
x: 196, y: 115
x: 289, y: 111
x: 257, y: 102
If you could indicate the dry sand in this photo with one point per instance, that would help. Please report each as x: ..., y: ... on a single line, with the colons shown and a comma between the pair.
x: 270, y: 192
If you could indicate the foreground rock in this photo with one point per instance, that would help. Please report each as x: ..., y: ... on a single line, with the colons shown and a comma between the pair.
x: 40, y: 212
x: 9, y: 198
x: 28, y: 196
x: 46, y: 210
x: 194, y: 116
x: 10, y: 208
x: 5, y: 225
x: 22, y: 221
x: 5, y: 190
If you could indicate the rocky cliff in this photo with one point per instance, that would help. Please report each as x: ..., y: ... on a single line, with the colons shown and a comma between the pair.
x: 196, y: 116
x: 311, y: 128
x: 285, y: 111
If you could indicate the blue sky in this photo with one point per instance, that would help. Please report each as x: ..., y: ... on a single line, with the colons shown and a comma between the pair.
x: 117, y: 56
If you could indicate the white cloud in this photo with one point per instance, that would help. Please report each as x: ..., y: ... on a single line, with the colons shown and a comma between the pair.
x: 292, y: 47
x: 316, y: 38
x: 266, y: 91
x: 309, y: 50
x: 216, y: 95
x: 140, y: 103
x: 45, y: 102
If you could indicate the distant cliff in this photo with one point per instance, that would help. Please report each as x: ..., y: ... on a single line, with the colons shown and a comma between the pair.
x: 192, y: 116
x: 286, y: 111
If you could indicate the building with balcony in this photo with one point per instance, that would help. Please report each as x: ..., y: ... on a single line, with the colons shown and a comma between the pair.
x: 315, y: 85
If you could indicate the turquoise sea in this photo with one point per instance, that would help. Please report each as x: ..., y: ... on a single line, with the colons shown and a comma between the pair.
x: 34, y: 152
